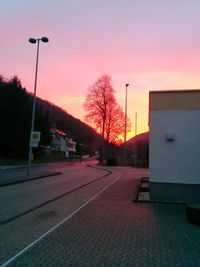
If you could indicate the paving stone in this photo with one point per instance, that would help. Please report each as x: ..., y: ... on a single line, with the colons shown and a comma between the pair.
x: 114, y: 231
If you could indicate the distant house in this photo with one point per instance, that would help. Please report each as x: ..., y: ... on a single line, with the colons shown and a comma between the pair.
x: 174, y: 144
x: 71, y: 147
x: 61, y: 145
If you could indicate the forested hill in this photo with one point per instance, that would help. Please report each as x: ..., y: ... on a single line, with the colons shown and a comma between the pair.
x: 72, y: 126
x: 15, y: 121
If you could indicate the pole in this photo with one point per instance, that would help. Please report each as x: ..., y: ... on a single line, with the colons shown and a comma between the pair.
x: 125, y: 117
x: 135, y: 135
x: 33, y: 110
x: 135, y: 123
x: 125, y: 124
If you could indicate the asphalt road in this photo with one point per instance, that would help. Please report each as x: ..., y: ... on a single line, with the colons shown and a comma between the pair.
x: 100, y: 225
x: 17, y: 171
x: 21, y: 232
x: 17, y: 199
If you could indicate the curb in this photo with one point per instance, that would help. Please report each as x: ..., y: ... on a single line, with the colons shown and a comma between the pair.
x: 24, y: 180
x: 154, y: 201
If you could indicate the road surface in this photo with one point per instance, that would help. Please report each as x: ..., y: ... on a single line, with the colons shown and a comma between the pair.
x: 17, y: 199
x: 26, y: 229
x: 16, y: 171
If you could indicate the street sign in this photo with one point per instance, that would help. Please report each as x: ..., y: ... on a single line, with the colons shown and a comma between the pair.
x: 35, y: 136
x: 33, y: 143
x: 35, y: 139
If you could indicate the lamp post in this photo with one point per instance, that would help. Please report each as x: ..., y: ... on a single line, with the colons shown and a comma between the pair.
x: 33, y: 41
x: 125, y: 124
x: 135, y: 123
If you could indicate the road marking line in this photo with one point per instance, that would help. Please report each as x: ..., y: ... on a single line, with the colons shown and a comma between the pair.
x: 56, y: 226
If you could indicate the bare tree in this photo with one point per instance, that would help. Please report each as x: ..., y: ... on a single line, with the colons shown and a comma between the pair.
x: 99, y: 98
x: 115, y: 123
x: 103, y: 111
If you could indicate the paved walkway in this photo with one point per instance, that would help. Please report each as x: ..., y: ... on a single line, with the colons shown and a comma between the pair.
x: 114, y: 231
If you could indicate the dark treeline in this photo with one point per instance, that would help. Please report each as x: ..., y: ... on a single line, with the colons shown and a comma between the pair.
x: 138, y: 149
x: 15, y: 121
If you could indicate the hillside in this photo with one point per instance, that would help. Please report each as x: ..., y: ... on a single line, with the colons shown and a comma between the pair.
x: 143, y: 137
x: 15, y: 116
x: 138, y: 148
x: 73, y: 127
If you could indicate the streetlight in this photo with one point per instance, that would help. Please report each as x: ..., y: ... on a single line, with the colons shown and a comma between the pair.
x: 33, y: 41
x: 125, y: 125
x: 135, y: 123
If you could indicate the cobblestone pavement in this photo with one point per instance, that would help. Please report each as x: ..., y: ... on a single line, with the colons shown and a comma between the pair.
x: 114, y: 231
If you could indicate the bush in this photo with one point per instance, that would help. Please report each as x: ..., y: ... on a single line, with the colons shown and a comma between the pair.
x: 112, y: 161
x: 193, y: 212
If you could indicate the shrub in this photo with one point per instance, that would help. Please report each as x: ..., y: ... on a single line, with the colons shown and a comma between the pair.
x: 112, y: 161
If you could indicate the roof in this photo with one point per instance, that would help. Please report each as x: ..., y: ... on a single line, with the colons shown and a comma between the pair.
x: 59, y: 131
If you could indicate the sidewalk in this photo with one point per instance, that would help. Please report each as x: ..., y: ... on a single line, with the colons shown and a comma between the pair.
x: 114, y: 231
x: 4, y: 181
x: 23, y: 178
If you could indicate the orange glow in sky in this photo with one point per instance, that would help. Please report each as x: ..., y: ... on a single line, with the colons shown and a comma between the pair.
x: 152, y: 45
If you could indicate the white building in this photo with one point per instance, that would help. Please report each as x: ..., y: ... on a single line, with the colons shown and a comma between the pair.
x: 174, y: 144
x: 71, y: 147
x: 61, y: 144
x: 58, y: 140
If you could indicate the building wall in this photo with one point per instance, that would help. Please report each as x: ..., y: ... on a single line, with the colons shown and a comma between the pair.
x: 176, y: 161
x: 174, y: 144
x: 63, y: 144
x: 174, y: 100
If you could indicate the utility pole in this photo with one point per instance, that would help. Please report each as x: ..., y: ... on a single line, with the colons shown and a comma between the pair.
x: 125, y: 124
x: 135, y: 135
x: 135, y: 123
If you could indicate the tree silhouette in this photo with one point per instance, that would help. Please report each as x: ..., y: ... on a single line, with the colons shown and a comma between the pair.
x: 15, y: 116
x: 115, y: 123
x: 103, y: 111
x: 15, y: 112
x: 99, y: 98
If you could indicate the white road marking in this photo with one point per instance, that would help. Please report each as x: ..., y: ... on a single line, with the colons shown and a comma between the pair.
x: 56, y: 226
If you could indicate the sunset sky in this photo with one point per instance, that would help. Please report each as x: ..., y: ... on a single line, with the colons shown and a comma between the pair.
x: 150, y: 44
